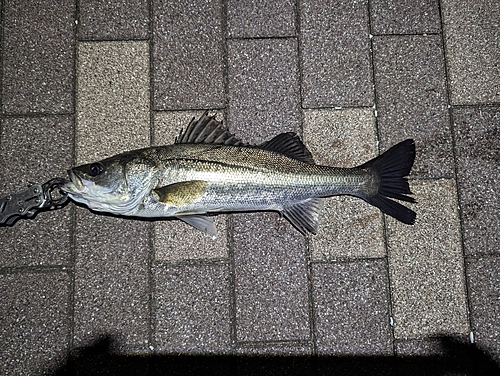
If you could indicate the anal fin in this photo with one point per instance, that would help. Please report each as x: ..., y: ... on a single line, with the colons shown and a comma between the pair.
x: 201, y: 222
x: 304, y: 215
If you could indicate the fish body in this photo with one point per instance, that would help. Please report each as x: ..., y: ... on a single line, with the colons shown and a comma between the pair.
x: 207, y: 170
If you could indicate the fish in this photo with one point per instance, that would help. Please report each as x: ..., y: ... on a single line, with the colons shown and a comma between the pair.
x: 208, y: 170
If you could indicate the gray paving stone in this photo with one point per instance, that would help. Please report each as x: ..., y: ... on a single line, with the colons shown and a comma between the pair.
x: 349, y: 227
x: 477, y: 135
x: 113, y: 99
x: 101, y: 20
x: 188, y: 60
x: 192, y: 309
x: 35, y: 149
x: 405, y: 17
x: 257, y: 19
x: 335, y: 45
x: 411, y: 100
x: 484, y: 289
x: 34, y: 330
x: 426, y: 265
x: 263, y: 88
x: 286, y: 348
x: 37, y: 57
x: 351, y: 308
x: 271, y: 286
x: 416, y: 347
x: 111, y: 280
x: 471, y: 35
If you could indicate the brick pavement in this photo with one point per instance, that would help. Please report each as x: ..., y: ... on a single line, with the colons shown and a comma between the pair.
x: 85, y: 80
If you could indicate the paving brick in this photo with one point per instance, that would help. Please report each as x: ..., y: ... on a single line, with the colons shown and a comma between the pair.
x: 351, y: 308
x: 257, y: 19
x: 37, y: 54
x: 412, y: 101
x: 100, y: 20
x: 188, y: 60
x: 281, y: 349
x: 111, y: 280
x: 270, y: 279
x: 349, y: 227
x: 113, y: 99
x: 175, y: 240
x: 263, y: 88
x: 426, y: 265
x: 35, y: 149
x: 34, y: 330
x: 477, y: 135
x: 472, y: 44
x: 335, y: 49
x: 192, y: 309
x: 405, y: 17
x: 484, y: 289
x: 111, y: 267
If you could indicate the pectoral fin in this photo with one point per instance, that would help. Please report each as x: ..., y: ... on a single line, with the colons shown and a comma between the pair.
x: 201, y: 222
x: 182, y: 193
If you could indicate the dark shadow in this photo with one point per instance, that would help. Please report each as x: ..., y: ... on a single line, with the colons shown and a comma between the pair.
x: 456, y: 358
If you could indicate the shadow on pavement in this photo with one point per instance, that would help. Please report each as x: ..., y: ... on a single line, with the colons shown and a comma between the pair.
x: 457, y: 358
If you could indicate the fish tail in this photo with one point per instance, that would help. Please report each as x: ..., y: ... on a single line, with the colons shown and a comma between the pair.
x: 391, y: 169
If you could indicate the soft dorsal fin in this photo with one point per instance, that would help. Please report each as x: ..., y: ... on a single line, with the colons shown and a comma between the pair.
x: 206, y: 130
x: 304, y: 215
x: 289, y: 144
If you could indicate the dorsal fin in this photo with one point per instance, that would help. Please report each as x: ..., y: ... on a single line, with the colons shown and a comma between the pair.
x: 289, y: 144
x: 206, y: 130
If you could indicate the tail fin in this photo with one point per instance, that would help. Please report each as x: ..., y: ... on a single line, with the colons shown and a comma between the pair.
x: 391, y: 168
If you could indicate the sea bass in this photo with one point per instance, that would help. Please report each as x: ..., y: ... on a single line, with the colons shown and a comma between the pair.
x: 208, y: 170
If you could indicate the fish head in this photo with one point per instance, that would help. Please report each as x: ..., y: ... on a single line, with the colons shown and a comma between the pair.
x: 115, y: 185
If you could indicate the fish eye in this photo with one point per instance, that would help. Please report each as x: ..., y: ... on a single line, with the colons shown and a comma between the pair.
x: 96, y: 169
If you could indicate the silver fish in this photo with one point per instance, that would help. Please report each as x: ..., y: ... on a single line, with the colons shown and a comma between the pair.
x: 208, y: 170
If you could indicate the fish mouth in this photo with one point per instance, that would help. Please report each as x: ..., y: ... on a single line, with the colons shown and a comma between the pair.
x: 75, y: 185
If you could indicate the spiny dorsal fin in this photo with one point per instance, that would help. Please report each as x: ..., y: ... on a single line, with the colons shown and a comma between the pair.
x: 206, y: 130
x: 305, y: 214
x: 289, y: 144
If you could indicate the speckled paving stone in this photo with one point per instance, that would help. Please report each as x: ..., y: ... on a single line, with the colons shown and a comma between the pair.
x: 412, y: 100
x: 426, y: 265
x: 472, y: 45
x: 191, y: 309
x: 348, y: 227
x: 257, y: 19
x: 35, y: 149
x: 100, y: 20
x: 405, y: 17
x: 284, y: 348
x: 188, y: 60
x: 111, y: 280
x: 484, y: 289
x: 113, y: 99
x: 175, y: 240
x: 263, y: 88
x: 351, y: 308
x: 271, y: 286
x: 477, y: 135
x: 34, y: 329
x: 37, y: 56
x: 335, y: 45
